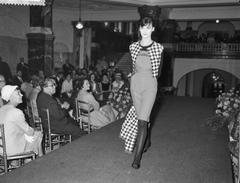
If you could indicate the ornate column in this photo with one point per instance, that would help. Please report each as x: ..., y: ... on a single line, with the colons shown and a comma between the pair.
x: 40, y: 39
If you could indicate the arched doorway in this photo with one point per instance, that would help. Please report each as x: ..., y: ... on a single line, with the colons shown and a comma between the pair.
x: 213, y: 84
x: 197, y: 83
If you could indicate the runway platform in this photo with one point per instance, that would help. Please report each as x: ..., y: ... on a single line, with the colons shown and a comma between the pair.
x: 183, y: 150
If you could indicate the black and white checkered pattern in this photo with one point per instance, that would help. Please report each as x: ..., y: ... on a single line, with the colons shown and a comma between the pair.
x: 155, y: 52
x: 129, y: 130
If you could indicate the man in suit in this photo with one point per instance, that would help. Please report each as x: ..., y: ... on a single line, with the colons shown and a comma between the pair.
x: 18, y: 80
x: 61, y: 122
x: 23, y: 67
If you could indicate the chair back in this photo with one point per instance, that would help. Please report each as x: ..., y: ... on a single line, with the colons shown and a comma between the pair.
x: 53, y: 139
x: 83, y: 110
x: 46, y: 118
x: 33, y: 116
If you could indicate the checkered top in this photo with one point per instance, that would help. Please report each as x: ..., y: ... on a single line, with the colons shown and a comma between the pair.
x: 155, y: 52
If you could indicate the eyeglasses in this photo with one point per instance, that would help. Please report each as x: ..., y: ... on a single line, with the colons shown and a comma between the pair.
x: 53, y: 85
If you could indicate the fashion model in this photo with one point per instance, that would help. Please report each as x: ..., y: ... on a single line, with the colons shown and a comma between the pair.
x: 146, y: 59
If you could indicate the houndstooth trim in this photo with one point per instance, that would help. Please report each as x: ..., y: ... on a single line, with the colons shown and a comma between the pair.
x: 129, y: 130
x: 155, y: 52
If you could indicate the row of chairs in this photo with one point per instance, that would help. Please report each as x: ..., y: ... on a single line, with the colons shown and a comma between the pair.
x: 50, y: 140
x: 83, y: 110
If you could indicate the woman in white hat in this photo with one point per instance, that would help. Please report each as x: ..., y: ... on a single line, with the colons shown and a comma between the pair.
x: 20, y: 137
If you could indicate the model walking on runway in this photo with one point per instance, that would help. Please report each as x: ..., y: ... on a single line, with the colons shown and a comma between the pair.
x: 146, y: 59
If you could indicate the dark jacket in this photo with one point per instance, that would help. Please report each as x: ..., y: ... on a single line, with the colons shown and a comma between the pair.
x: 58, y: 117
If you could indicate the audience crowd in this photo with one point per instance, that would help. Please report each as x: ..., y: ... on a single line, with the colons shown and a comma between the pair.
x: 106, y: 89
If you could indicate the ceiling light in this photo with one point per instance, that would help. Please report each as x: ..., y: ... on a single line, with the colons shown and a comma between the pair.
x: 79, y: 24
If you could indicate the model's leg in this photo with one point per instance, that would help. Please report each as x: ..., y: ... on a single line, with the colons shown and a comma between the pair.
x: 141, y: 138
x: 148, y: 139
x: 145, y: 111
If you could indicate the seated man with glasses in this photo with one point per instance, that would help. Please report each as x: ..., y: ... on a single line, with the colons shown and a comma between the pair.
x: 61, y: 122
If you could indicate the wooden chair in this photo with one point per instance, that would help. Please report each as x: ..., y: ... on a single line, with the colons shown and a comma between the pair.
x: 83, y: 110
x: 5, y: 159
x: 53, y: 139
x: 35, y: 119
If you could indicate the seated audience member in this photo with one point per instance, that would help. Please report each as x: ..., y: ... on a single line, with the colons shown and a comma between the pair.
x: 20, y: 137
x: 24, y: 68
x: 118, y: 82
x: 67, y: 85
x: 67, y: 90
x: 67, y: 67
x: 105, y: 86
x: 99, y: 116
x: 59, y: 78
x: 61, y: 122
x: 26, y: 88
x: 2, y: 84
x: 94, y: 87
x: 41, y: 75
x: 33, y: 97
x: 18, y: 80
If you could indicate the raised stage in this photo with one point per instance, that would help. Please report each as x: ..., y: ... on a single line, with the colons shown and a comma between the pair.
x: 183, y: 151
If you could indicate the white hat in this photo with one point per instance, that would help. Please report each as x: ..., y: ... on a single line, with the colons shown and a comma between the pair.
x: 7, y: 91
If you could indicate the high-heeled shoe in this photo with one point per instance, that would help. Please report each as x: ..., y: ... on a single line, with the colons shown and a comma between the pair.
x: 136, y: 165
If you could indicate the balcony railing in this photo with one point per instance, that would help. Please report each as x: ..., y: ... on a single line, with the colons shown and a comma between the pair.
x: 208, y: 49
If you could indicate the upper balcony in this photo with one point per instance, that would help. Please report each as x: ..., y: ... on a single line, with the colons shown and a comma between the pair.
x: 207, y: 50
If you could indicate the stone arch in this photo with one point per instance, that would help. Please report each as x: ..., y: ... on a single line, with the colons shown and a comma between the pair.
x: 194, y: 83
x: 183, y: 66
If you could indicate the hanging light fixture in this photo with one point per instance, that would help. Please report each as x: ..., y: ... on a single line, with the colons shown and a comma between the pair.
x: 79, y: 24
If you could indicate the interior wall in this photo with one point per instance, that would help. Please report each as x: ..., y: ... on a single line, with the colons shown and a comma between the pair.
x: 13, y: 41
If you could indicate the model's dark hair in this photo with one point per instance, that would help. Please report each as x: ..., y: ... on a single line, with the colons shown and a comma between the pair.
x: 146, y: 21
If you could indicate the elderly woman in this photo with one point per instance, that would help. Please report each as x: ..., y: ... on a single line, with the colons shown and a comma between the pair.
x: 99, y: 116
x: 20, y: 137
